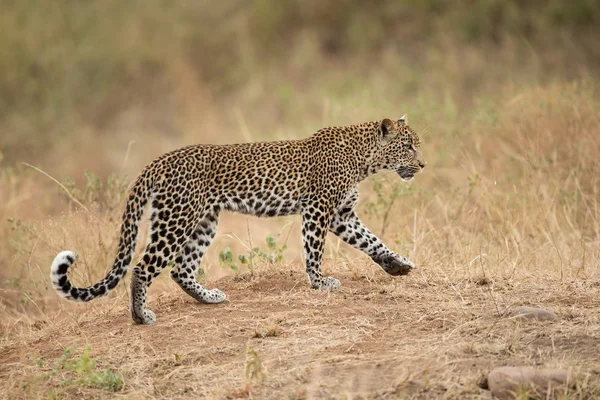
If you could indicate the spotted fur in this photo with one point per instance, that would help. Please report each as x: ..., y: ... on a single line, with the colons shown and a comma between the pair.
x: 187, y: 189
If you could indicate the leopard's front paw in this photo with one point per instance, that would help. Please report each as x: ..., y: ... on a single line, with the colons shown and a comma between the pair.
x: 214, y: 296
x: 329, y: 283
x: 396, y: 265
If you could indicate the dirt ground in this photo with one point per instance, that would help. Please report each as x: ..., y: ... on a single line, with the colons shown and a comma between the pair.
x: 423, y: 336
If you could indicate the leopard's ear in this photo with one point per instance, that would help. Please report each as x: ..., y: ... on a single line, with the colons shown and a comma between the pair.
x: 403, y: 119
x: 387, y: 128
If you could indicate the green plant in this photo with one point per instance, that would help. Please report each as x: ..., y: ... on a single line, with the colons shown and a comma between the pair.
x: 381, y: 207
x: 254, y: 371
x: 107, y: 194
x: 201, y: 275
x: 22, y: 234
x: 226, y: 260
x: 82, y: 371
x: 273, y: 254
x: 19, y: 242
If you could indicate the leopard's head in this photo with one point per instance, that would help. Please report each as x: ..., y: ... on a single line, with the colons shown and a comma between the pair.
x: 399, y: 149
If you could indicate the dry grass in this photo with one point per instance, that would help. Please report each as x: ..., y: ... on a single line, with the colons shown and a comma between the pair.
x: 425, y: 337
x: 505, y: 215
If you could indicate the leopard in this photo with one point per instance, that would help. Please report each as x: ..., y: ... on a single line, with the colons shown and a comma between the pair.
x: 186, y: 190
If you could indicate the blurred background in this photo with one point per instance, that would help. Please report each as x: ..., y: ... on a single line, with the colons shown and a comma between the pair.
x: 504, y: 93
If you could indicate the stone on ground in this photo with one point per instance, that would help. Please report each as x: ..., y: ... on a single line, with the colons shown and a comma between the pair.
x: 534, y: 313
x: 506, y: 382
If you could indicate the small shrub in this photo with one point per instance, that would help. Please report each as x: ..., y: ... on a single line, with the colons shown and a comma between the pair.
x: 82, y: 371
x: 107, y: 195
x: 226, y: 260
x: 273, y: 254
x: 383, y: 204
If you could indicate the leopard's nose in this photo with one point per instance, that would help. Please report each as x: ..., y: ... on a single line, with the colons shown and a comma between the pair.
x: 422, y: 164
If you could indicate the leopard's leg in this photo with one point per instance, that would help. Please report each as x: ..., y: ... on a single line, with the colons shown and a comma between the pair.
x: 346, y: 225
x: 184, y: 273
x: 139, y: 313
x: 315, y: 221
x: 169, y: 232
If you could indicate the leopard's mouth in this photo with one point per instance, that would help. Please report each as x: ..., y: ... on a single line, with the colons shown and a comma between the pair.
x: 406, y: 174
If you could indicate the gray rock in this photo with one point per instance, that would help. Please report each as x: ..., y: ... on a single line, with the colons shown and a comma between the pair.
x: 506, y: 382
x: 534, y: 313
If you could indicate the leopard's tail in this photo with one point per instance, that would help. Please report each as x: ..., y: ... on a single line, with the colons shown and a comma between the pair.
x: 138, y: 197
